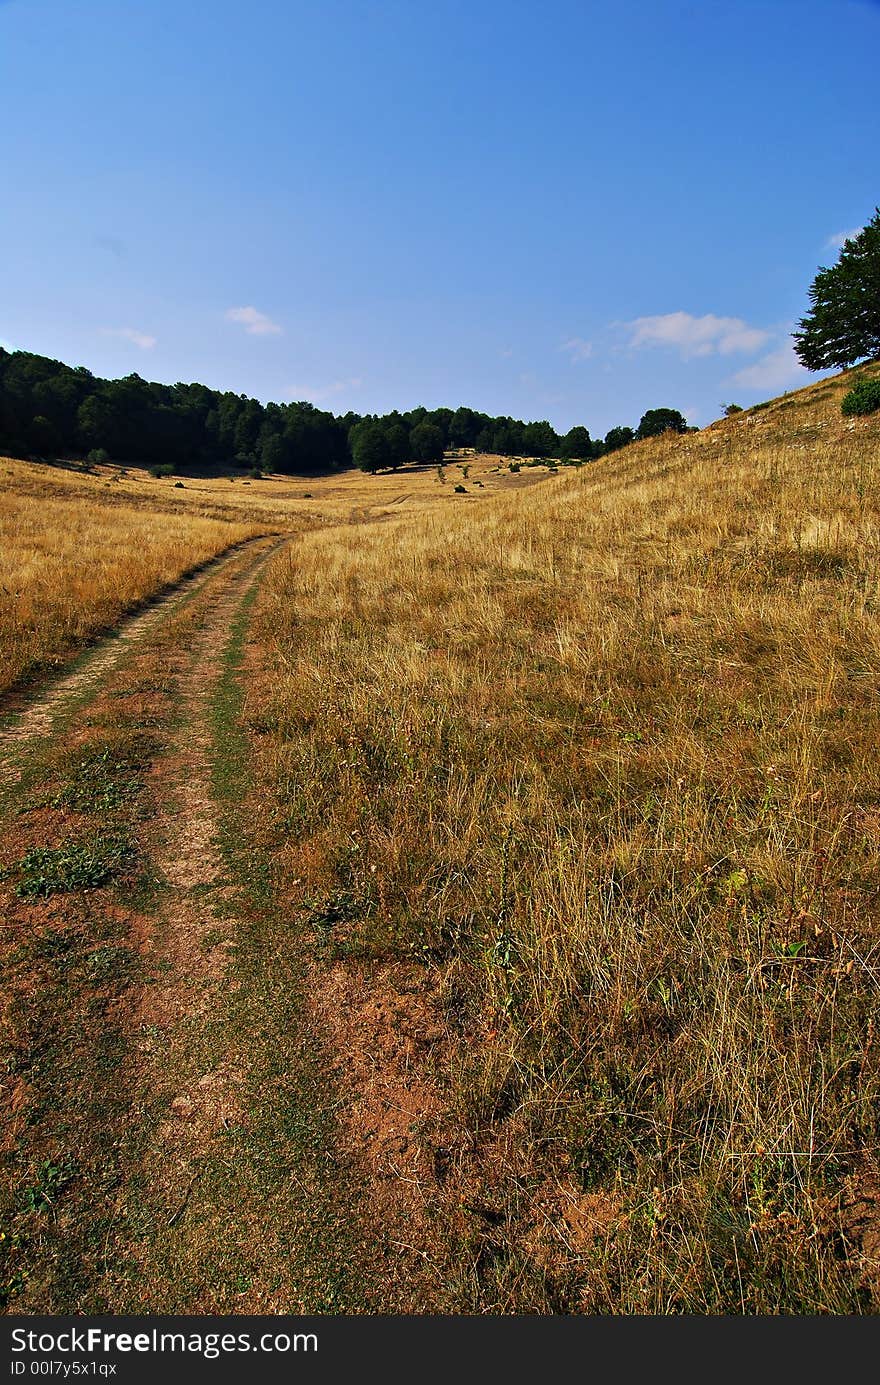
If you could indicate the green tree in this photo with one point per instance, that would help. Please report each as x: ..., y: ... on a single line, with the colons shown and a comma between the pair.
x: 843, y: 324
x: 464, y: 427
x: 273, y: 453
x: 247, y: 429
x: 426, y: 442
x: 369, y: 449
x: 618, y: 437
x: 657, y: 421
x: 95, y: 422
x: 577, y: 443
x: 540, y: 439
x: 396, y: 443
x: 44, y: 437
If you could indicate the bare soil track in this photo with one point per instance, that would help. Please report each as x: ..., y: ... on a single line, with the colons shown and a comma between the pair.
x: 36, y: 715
x: 172, y: 1144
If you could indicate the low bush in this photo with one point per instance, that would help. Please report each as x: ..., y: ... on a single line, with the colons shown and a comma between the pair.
x: 863, y: 398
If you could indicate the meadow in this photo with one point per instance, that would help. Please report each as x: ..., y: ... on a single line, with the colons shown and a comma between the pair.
x: 582, y: 788
x: 84, y: 545
x: 558, y: 803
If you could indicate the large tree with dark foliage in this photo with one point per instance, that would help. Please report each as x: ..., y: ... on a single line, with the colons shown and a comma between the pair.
x: 618, y: 437
x: 577, y: 444
x: 426, y: 442
x: 843, y: 324
x: 657, y: 421
x: 369, y: 445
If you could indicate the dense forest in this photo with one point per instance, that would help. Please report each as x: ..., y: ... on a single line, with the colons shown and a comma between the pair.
x: 48, y: 409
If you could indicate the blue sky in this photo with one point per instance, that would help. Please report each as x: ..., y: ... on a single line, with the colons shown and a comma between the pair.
x: 564, y: 210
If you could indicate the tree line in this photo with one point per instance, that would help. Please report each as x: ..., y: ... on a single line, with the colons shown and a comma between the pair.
x: 49, y: 409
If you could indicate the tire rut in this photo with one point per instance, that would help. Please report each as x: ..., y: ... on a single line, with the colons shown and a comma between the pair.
x: 39, y: 717
x: 190, y: 949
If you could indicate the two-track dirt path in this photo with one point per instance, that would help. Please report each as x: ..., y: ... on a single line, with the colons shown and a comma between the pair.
x: 176, y: 1124
x: 29, y: 718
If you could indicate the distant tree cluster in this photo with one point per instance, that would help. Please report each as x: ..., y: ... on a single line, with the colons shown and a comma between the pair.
x: 50, y: 409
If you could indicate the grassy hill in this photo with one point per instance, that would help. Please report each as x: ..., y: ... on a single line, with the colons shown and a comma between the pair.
x: 576, y: 798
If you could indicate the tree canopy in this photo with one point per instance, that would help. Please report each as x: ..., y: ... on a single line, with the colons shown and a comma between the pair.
x: 657, y: 421
x: 843, y: 323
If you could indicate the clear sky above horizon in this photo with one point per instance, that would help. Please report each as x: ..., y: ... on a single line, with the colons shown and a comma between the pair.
x: 572, y: 211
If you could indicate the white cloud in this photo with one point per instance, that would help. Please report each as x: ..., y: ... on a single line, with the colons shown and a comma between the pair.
x: 141, y: 339
x: 838, y: 240
x: 775, y: 371
x: 578, y: 349
x: 696, y: 336
x: 315, y: 392
x: 255, y: 323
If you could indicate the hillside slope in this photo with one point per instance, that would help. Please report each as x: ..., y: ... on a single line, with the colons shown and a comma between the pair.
x: 576, y: 798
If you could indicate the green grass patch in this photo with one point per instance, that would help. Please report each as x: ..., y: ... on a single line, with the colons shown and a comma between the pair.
x: 74, y: 865
x: 102, y: 778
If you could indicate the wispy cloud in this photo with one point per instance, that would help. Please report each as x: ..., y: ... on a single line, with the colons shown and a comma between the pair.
x: 839, y: 239
x: 696, y: 336
x: 318, y: 392
x: 775, y: 371
x: 578, y: 349
x: 255, y: 323
x: 131, y: 334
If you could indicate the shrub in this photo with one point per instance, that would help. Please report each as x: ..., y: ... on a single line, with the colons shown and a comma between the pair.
x: 863, y: 398
x: 162, y: 469
x: 98, y: 456
x: 461, y: 490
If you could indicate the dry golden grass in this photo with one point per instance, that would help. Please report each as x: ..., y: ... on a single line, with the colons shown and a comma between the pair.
x: 76, y: 556
x: 603, y: 758
x: 80, y: 547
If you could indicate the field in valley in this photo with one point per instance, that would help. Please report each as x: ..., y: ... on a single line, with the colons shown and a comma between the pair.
x: 456, y: 900
x: 84, y: 545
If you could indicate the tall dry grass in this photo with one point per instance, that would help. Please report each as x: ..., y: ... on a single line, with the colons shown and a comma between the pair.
x: 602, y: 757
x: 75, y: 559
x: 80, y: 546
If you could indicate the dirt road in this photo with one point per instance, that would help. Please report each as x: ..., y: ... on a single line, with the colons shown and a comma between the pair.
x: 172, y: 1145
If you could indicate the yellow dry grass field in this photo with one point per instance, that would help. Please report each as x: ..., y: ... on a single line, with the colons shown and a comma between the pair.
x: 73, y: 563
x: 81, y: 547
x: 593, y: 771
x: 569, y: 807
